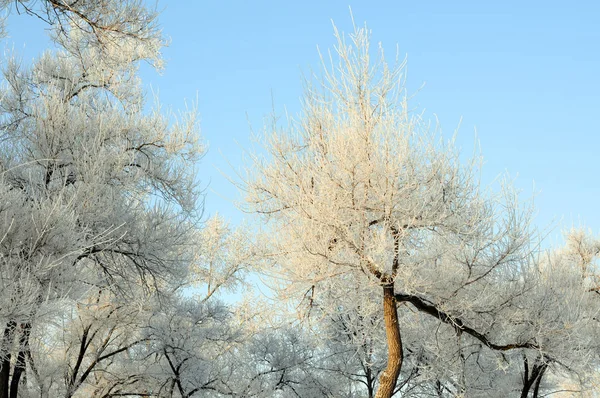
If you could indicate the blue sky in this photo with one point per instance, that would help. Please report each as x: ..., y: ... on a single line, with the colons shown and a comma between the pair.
x: 525, y: 75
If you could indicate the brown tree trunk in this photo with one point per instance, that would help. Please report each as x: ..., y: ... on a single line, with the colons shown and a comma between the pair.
x: 389, y: 377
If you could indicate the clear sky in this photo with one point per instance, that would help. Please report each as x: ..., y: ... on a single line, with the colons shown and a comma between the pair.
x: 524, y: 74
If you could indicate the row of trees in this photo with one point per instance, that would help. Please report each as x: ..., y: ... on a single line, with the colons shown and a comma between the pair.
x: 404, y: 276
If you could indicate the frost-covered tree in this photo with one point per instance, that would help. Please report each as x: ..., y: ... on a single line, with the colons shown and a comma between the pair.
x: 194, y: 342
x: 96, y: 195
x: 359, y: 192
x: 123, y: 31
x: 561, y: 312
x: 90, y: 348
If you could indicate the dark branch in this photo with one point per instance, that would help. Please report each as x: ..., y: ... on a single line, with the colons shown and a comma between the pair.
x: 458, y: 324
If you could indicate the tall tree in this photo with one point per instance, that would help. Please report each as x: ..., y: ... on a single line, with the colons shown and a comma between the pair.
x: 361, y: 193
x: 96, y: 194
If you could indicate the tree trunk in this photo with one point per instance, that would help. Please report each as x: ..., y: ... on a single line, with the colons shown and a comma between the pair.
x: 534, y: 379
x: 21, y: 357
x: 526, y: 381
x: 5, y: 356
x: 536, y: 389
x: 370, y: 383
x: 389, y: 377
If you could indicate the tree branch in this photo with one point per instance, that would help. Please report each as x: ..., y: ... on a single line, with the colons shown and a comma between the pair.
x: 458, y: 324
